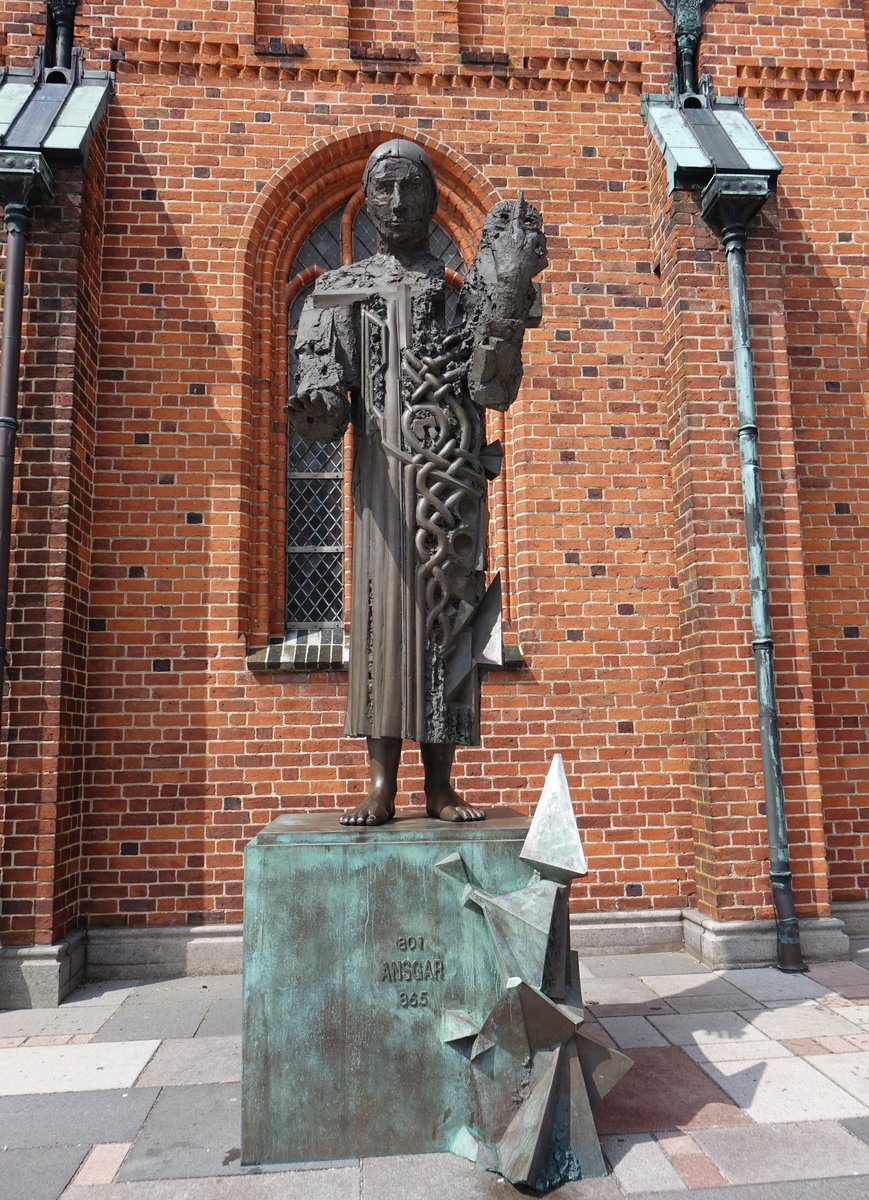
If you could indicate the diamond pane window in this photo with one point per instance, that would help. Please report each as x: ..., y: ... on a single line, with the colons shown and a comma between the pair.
x: 315, y: 470
x: 443, y: 247
x: 322, y: 247
x: 315, y: 590
x: 364, y: 237
x: 314, y: 512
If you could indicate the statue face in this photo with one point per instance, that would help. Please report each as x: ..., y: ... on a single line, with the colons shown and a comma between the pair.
x: 398, y: 202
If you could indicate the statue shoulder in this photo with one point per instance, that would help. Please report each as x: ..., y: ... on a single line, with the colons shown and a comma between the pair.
x: 339, y: 279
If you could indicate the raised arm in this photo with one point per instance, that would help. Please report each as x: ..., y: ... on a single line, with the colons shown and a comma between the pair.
x: 499, y: 301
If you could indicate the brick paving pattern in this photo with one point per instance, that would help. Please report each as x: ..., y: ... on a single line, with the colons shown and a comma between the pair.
x: 718, y: 1104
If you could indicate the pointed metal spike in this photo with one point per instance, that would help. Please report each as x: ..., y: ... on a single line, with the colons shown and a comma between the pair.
x: 457, y: 1025
x: 545, y: 1022
x: 454, y: 866
x: 553, y: 845
x: 602, y: 1067
x: 505, y: 1025
x: 468, y: 1145
x: 582, y: 1137
x: 480, y: 1046
x: 520, y: 924
x: 523, y: 1148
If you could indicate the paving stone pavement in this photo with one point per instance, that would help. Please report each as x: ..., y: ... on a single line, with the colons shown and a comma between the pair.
x: 194, y: 1060
x: 747, y: 1085
x: 770, y: 1153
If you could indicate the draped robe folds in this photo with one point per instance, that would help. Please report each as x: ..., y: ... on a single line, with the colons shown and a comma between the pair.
x: 420, y: 610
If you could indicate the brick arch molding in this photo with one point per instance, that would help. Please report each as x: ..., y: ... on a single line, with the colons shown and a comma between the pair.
x: 306, y: 189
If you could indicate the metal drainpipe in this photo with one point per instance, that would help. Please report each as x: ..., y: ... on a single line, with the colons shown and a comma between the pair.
x: 17, y: 221
x: 63, y: 14
x: 26, y: 179
x: 728, y: 206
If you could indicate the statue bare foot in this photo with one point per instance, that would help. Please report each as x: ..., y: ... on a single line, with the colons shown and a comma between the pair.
x: 446, y: 805
x: 376, y: 809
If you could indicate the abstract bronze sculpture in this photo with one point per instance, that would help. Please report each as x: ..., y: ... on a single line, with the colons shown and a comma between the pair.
x: 373, y: 348
x: 538, y: 1075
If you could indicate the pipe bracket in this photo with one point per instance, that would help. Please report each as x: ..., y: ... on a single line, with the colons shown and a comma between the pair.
x: 25, y: 179
x: 729, y: 202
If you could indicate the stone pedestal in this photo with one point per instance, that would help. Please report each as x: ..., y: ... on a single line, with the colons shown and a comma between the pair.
x: 355, y: 948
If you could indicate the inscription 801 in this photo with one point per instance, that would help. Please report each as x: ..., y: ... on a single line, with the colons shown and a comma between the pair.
x: 410, y: 943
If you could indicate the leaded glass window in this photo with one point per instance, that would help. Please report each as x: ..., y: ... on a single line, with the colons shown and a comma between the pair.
x: 315, y: 470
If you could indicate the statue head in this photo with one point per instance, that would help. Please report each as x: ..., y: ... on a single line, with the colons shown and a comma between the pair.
x: 400, y: 194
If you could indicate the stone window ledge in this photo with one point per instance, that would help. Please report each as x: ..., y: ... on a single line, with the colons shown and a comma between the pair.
x: 329, y: 650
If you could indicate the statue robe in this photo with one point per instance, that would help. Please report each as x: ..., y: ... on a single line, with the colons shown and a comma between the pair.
x: 420, y: 618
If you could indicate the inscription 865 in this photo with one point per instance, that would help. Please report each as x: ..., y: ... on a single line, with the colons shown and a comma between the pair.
x: 413, y: 999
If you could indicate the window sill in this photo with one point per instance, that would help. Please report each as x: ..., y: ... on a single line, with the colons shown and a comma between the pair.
x: 318, y: 650
x: 329, y: 650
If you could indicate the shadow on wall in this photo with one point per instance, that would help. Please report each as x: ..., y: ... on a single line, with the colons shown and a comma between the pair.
x: 828, y: 348
x: 158, y: 831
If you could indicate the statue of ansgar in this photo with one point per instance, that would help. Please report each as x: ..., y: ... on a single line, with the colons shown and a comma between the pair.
x: 373, y: 349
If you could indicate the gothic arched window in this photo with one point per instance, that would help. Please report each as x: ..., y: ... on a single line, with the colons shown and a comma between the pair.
x: 314, y: 598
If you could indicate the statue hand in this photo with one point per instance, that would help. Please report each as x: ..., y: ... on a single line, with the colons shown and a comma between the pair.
x: 319, y: 416
x: 514, y: 236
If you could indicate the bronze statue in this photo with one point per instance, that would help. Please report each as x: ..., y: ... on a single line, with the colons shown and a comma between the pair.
x: 372, y: 347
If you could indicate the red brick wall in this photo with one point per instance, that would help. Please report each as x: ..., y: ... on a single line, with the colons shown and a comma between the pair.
x: 45, y: 809
x: 481, y: 26
x: 623, y: 543
x: 826, y: 284
x: 381, y: 26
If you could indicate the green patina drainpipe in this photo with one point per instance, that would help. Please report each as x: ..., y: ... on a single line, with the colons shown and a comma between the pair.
x: 727, y: 205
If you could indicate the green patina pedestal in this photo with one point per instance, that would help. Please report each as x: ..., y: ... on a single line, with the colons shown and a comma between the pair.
x: 355, y: 947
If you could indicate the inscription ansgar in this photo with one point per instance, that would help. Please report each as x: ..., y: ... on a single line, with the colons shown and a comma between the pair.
x: 412, y: 970
x: 416, y: 970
